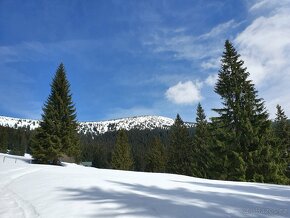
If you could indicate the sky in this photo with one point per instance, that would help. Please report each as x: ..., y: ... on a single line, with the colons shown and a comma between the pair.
x: 126, y: 58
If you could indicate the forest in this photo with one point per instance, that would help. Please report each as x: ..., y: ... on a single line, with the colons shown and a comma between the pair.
x: 240, y: 144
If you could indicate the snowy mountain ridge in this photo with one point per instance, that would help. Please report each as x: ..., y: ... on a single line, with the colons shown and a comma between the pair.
x: 101, y: 127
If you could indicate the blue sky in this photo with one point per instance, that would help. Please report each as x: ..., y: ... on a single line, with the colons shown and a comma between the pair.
x: 127, y: 57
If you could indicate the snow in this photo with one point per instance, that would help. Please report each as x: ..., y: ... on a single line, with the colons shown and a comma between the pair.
x: 138, y: 122
x: 8, y: 159
x: 17, y: 122
x: 30, y: 190
x: 101, y: 127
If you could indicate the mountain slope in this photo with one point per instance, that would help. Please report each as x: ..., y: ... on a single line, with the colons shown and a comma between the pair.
x: 77, y: 191
x: 137, y: 122
x: 18, y: 123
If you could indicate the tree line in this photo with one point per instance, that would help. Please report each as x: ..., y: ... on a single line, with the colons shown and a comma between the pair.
x: 240, y: 143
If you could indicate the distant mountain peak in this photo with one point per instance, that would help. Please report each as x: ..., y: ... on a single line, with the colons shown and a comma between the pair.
x: 101, y: 127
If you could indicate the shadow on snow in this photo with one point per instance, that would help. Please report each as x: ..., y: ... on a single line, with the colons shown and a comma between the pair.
x: 151, y: 201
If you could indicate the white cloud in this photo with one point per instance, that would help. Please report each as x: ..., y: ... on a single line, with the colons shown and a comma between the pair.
x: 265, y: 45
x: 184, y: 93
x: 270, y: 5
x: 213, y: 63
x: 265, y: 48
x: 211, y: 79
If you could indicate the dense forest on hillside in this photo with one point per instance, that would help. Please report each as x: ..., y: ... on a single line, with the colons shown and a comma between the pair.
x: 16, y: 141
x: 95, y: 148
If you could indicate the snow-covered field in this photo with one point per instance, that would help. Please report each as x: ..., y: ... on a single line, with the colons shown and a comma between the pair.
x: 28, y: 190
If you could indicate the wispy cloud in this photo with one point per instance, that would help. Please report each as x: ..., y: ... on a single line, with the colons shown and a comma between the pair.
x: 211, y: 79
x: 202, y: 51
x: 160, y: 78
x: 265, y: 48
x: 17, y: 93
x: 183, y: 46
x: 268, y: 5
x: 18, y: 101
x: 219, y: 30
x: 211, y: 64
x: 36, y: 51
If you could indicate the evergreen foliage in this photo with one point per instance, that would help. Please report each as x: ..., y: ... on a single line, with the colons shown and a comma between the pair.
x: 180, y: 151
x: 282, y: 132
x: 217, y: 169
x: 243, y: 120
x: 100, y: 157
x: 3, y: 140
x: 281, y: 128
x: 14, y: 140
x: 122, y: 155
x: 57, y: 135
x: 202, y: 155
x: 235, y: 166
x: 156, y: 157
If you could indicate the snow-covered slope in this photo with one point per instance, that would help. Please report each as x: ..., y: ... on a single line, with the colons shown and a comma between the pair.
x: 18, y: 123
x: 28, y: 190
x: 139, y: 122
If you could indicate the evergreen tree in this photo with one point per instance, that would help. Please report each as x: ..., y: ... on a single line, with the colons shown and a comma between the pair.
x: 57, y: 135
x: 99, y: 158
x: 235, y: 166
x: 122, y: 155
x: 156, y: 157
x: 179, y: 152
x: 243, y: 120
x: 3, y: 139
x: 217, y: 169
x: 281, y: 129
x: 201, y: 144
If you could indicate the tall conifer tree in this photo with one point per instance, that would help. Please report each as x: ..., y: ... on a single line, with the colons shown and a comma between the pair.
x: 3, y: 140
x: 282, y: 139
x: 201, y: 144
x: 57, y: 135
x: 122, y: 155
x: 180, y: 150
x: 243, y: 121
x: 156, y: 157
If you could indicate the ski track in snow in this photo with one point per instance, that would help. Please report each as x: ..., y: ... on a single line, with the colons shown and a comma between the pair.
x: 12, y: 205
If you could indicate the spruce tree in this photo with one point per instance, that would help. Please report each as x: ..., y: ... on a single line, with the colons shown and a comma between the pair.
x: 243, y: 121
x: 122, y: 155
x: 217, y: 169
x: 201, y: 145
x: 57, y: 135
x: 156, y: 157
x: 281, y: 128
x: 3, y: 140
x: 180, y: 151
